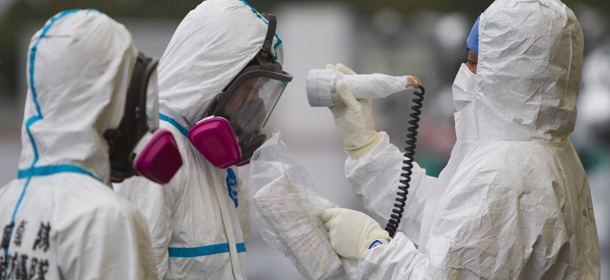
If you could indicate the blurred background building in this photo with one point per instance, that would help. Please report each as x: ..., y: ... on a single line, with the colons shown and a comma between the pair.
x: 397, y: 37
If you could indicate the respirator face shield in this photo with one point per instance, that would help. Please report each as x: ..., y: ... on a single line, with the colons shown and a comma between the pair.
x: 138, y: 146
x: 233, y: 127
x: 248, y: 103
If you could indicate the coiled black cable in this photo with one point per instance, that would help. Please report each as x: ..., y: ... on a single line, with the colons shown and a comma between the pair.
x: 401, y: 200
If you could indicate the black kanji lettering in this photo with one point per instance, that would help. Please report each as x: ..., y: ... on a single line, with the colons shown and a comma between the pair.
x: 3, y: 266
x: 19, y: 233
x: 12, y: 264
x: 6, y: 235
x: 21, y: 272
x: 33, y: 268
x: 42, y: 238
x: 41, y: 270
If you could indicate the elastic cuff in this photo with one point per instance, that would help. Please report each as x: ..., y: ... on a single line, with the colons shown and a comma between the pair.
x: 378, y: 242
x: 373, y: 238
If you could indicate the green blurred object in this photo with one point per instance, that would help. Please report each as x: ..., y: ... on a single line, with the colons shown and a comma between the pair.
x: 594, y: 157
x: 431, y: 162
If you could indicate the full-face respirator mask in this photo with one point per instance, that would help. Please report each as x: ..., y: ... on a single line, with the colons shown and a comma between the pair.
x: 233, y: 127
x: 138, y: 146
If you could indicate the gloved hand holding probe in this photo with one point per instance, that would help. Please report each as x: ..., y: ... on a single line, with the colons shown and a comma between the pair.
x: 353, y: 118
x: 351, y: 232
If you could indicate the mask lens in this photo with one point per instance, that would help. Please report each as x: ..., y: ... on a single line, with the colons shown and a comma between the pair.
x: 152, y: 102
x: 250, y: 106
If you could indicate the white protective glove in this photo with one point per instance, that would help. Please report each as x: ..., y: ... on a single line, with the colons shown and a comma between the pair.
x: 351, y: 232
x: 354, y: 119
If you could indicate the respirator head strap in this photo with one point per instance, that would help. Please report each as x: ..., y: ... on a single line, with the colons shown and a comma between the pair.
x: 268, y: 43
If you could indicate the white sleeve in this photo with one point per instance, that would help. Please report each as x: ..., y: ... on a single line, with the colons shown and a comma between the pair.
x: 375, y: 179
x: 498, y: 226
x: 397, y: 260
x: 155, y: 201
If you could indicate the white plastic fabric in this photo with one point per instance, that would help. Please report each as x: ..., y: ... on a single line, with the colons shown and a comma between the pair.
x: 288, y: 210
x: 213, y: 43
x: 354, y: 119
x: 69, y: 224
x: 200, y: 220
x: 513, y: 202
x: 322, y: 86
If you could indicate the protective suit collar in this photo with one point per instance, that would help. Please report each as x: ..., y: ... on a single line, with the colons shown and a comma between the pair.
x: 525, y: 88
x: 70, y: 102
x: 198, y: 64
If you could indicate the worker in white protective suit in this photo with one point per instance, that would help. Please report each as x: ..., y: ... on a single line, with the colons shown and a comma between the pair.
x: 513, y: 201
x: 219, y: 79
x: 60, y: 218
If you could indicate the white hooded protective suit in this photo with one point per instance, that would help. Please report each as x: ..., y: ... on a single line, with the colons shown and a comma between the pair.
x: 200, y: 220
x: 513, y: 201
x: 68, y: 222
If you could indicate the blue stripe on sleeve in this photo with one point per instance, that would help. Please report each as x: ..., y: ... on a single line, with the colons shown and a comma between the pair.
x: 175, y: 252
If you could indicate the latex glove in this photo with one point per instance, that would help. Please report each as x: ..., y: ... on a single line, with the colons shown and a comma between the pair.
x: 354, y: 119
x: 414, y: 81
x: 351, y: 232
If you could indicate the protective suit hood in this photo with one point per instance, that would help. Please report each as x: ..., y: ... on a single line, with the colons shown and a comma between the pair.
x: 78, y: 71
x: 527, y: 80
x: 213, y: 43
